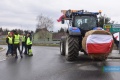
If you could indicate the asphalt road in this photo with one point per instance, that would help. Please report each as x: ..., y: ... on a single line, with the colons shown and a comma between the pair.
x: 48, y: 64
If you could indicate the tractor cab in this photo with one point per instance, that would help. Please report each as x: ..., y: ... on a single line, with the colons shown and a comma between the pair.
x: 85, y: 22
x: 81, y: 19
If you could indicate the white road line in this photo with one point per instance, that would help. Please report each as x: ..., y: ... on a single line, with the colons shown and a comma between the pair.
x: 2, y: 60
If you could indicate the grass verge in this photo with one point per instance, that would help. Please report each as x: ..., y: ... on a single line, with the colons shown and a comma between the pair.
x: 1, y: 48
x: 38, y: 44
x: 50, y: 45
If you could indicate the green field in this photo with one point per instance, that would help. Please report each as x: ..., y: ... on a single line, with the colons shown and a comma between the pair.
x: 1, y: 48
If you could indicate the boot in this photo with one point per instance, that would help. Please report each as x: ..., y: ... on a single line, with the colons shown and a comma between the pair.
x: 30, y: 52
x: 6, y: 54
x: 21, y: 56
x: 16, y: 57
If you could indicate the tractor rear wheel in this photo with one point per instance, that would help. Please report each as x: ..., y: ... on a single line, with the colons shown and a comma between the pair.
x: 62, y: 46
x: 72, y: 48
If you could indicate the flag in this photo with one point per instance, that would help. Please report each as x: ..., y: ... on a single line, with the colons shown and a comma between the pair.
x: 60, y: 18
x: 99, y: 44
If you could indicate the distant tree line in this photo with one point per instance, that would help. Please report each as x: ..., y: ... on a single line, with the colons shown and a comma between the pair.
x: 20, y: 31
x: 105, y: 20
x: 62, y: 30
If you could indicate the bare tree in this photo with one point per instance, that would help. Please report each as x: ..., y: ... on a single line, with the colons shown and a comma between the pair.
x: 107, y: 21
x: 44, y: 26
x: 44, y: 22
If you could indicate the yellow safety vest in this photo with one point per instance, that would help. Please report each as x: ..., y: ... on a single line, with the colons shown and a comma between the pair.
x: 10, y: 40
x: 28, y: 42
x: 17, y: 39
x: 23, y: 38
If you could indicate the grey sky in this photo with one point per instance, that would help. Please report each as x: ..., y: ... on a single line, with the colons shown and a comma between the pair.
x: 23, y: 13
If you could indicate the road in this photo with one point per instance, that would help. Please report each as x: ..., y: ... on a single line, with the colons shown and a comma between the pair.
x: 47, y: 64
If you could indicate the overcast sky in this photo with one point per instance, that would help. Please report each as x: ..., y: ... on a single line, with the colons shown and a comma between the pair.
x: 22, y: 13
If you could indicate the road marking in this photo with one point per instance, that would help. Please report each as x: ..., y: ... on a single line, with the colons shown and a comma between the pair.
x: 88, y: 68
x: 2, y: 49
x: 2, y: 60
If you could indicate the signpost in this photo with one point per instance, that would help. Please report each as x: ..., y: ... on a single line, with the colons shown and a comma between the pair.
x: 113, y: 28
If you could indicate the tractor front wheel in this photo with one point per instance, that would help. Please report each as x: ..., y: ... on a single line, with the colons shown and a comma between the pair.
x: 62, y: 46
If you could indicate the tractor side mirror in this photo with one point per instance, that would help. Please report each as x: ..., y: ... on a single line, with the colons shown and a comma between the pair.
x: 63, y: 21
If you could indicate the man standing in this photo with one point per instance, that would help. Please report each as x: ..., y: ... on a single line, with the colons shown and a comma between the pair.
x: 25, y: 52
x: 16, y: 44
x: 23, y: 42
x: 29, y: 44
x: 10, y: 44
x: 116, y: 39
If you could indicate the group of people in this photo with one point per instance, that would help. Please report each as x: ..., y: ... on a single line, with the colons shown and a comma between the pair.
x: 14, y: 40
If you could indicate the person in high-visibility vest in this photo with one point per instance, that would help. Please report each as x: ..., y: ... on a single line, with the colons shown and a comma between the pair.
x: 10, y: 44
x: 16, y: 44
x: 23, y: 42
x: 25, y: 52
x: 29, y: 44
x: 116, y: 39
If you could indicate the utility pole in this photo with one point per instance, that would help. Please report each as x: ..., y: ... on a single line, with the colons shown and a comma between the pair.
x: 104, y: 18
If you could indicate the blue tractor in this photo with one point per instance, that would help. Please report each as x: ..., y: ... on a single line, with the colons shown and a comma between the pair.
x: 80, y: 22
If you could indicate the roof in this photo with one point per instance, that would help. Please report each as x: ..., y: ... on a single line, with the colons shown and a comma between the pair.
x: 42, y: 29
x: 58, y: 35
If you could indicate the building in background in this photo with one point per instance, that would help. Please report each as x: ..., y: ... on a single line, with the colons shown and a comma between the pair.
x: 43, y: 35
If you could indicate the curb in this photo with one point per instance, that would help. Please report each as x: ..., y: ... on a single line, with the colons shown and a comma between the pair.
x: 113, y: 57
x: 2, y: 49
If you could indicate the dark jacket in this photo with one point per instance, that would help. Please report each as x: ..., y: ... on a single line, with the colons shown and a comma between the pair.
x: 7, y: 40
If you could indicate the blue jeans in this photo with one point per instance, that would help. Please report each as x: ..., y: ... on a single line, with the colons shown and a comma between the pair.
x: 10, y: 49
x: 23, y: 46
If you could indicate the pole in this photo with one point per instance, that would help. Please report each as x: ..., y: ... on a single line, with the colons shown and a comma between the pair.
x: 104, y: 18
x: 119, y: 43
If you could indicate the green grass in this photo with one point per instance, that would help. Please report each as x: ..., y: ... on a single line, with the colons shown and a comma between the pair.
x: 3, y: 43
x: 1, y: 48
x: 3, y: 39
x: 35, y: 44
x: 50, y: 45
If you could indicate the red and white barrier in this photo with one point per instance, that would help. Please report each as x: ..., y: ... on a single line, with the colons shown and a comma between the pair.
x: 99, y: 44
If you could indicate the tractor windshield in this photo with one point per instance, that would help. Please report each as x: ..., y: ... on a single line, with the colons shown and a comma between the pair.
x: 85, y: 22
